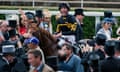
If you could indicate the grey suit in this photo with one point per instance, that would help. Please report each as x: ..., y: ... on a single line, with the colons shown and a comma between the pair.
x: 75, y: 63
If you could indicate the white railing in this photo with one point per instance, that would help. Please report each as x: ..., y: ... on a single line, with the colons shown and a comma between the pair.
x: 82, y: 2
x: 52, y: 1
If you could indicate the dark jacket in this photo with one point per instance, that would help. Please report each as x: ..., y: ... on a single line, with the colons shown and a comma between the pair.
x: 4, y: 67
x: 16, y: 66
x: 69, y: 19
x: 110, y: 64
x: 66, y: 20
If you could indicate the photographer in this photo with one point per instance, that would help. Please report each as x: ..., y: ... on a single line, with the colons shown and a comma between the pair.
x: 91, y: 60
x: 15, y: 40
x: 9, y: 62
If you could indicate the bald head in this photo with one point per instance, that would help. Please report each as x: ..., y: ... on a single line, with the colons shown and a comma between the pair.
x: 3, y: 25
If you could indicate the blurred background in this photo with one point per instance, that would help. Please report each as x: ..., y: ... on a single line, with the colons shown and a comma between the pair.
x: 52, y: 5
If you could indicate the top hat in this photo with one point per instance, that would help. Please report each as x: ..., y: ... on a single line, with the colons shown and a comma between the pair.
x: 79, y: 12
x: 64, y: 5
x: 108, y: 14
x: 39, y: 13
x: 12, y: 23
x: 12, y: 33
x: 8, y: 49
x: 30, y: 15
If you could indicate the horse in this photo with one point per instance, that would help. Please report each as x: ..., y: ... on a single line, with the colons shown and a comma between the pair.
x: 49, y: 46
x: 47, y: 42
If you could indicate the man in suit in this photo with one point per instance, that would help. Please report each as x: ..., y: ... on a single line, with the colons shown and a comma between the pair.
x: 4, y: 67
x: 62, y: 66
x: 35, y: 60
x: 110, y: 64
x: 79, y: 16
x: 72, y: 60
x: 8, y: 61
x: 90, y: 61
x: 7, y: 58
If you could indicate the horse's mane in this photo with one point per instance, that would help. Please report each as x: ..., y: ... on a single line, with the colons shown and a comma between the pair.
x: 47, y: 41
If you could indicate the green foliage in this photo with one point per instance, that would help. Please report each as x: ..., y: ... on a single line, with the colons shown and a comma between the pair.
x: 53, y: 21
x: 2, y: 16
x: 89, y: 27
x: 115, y: 27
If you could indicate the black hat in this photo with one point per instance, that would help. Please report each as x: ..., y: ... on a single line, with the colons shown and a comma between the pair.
x: 100, y: 39
x: 64, y: 5
x: 108, y: 14
x: 12, y: 33
x: 12, y: 23
x: 110, y: 47
x: 30, y: 15
x: 39, y: 13
x: 79, y: 12
x: 8, y: 49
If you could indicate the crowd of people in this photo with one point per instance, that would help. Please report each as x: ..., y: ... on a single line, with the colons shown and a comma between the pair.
x: 28, y: 44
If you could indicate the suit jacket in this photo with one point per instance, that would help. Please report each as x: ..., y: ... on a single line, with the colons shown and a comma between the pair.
x: 110, y: 64
x: 4, y: 66
x: 46, y: 68
x: 75, y: 63
x: 43, y: 68
x: 79, y: 30
x: 64, y: 67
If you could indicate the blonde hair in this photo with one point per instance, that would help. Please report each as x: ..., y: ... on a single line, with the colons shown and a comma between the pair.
x: 58, y: 16
x: 46, y: 13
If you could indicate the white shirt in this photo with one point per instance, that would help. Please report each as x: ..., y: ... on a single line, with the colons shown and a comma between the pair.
x: 107, y: 33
